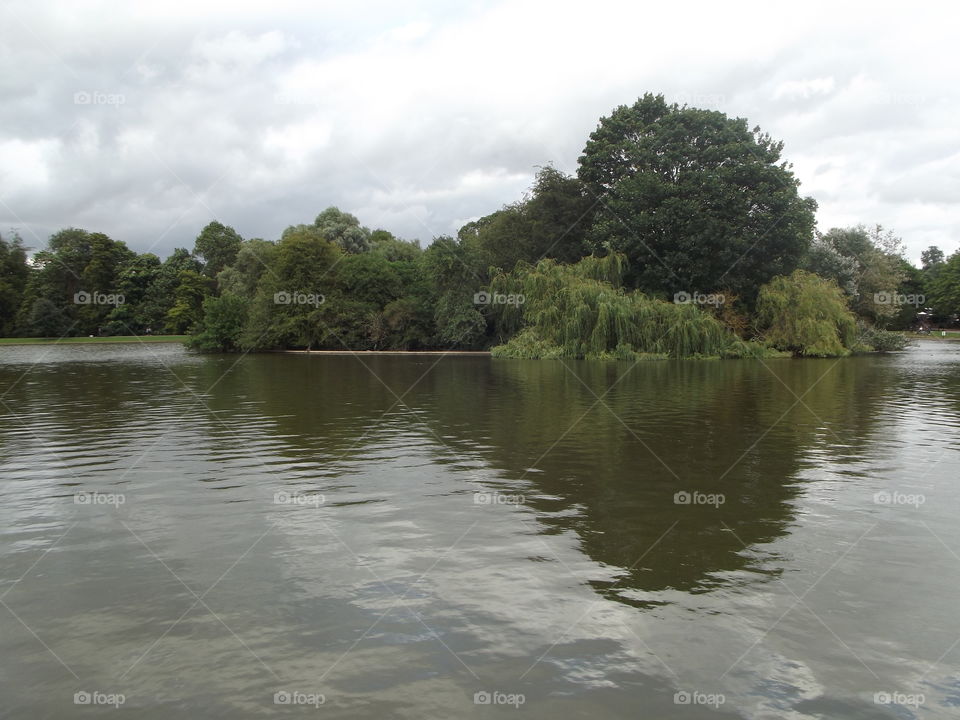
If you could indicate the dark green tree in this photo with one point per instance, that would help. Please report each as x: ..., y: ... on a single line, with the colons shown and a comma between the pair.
x: 187, y: 311
x: 159, y: 297
x: 291, y: 305
x: 14, y: 274
x: 242, y: 276
x: 217, y: 246
x: 944, y: 288
x: 931, y: 257
x: 75, y: 264
x: 392, y: 248
x: 451, y: 269
x: 134, y: 282
x: 224, y: 318
x: 696, y: 200
x: 46, y: 319
x: 550, y: 222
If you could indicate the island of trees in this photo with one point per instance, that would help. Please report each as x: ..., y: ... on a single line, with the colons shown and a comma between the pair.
x: 682, y: 234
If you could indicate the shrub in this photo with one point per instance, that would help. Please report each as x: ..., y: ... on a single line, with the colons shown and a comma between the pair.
x: 807, y: 315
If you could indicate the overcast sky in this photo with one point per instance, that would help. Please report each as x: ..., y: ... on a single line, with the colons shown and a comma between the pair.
x: 147, y: 120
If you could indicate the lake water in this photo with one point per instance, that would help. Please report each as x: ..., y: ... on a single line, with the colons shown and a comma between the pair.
x: 424, y: 537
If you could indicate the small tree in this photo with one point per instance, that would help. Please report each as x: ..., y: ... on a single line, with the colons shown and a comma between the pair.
x: 223, y: 321
x: 806, y: 315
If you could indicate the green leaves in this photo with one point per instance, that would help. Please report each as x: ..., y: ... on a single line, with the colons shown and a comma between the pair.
x: 807, y: 315
x: 224, y: 319
x: 694, y: 199
x: 218, y: 245
x: 578, y: 311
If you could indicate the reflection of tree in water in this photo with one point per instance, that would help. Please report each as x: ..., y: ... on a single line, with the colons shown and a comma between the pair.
x: 713, y: 427
x: 719, y: 427
x: 731, y: 427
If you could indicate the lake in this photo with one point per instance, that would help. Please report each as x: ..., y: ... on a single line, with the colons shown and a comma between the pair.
x: 439, y: 537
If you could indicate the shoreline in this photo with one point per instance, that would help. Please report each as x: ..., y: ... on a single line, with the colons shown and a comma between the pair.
x: 479, y: 353
x: 115, y: 340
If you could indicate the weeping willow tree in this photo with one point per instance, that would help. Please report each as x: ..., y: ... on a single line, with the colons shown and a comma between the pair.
x: 582, y: 310
x: 807, y: 315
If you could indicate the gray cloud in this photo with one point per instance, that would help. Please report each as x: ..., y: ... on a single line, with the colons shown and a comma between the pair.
x: 147, y: 121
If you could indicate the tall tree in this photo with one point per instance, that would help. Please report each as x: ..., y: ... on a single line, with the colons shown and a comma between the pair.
x: 695, y: 199
x: 75, y: 264
x: 451, y: 268
x: 931, y: 257
x: 187, y: 311
x: 945, y: 288
x: 134, y: 282
x: 242, y: 276
x: 160, y: 295
x: 550, y: 222
x: 291, y: 304
x: 14, y: 273
x: 217, y: 246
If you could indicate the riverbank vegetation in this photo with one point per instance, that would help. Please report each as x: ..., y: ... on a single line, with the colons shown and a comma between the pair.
x: 95, y: 340
x: 682, y: 234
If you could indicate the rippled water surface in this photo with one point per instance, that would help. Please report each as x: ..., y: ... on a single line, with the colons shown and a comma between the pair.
x: 397, y: 534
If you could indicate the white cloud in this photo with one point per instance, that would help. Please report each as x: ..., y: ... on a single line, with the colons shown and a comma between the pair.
x: 804, y: 89
x: 25, y: 164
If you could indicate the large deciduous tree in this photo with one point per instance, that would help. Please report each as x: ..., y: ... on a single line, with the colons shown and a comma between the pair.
x: 866, y: 264
x: 550, y: 222
x: 291, y: 305
x: 217, y: 245
x: 696, y: 200
x: 75, y: 262
x: 945, y: 288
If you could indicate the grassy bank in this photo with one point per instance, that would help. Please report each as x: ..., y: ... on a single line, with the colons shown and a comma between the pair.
x: 75, y: 340
x: 935, y: 335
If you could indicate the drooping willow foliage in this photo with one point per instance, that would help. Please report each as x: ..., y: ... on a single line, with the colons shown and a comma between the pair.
x: 807, y: 315
x: 581, y: 310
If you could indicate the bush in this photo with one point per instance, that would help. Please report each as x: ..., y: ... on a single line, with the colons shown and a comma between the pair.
x: 579, y: 311
x: 223, y: 320
x: 806, y: 315
x: 881, y: 340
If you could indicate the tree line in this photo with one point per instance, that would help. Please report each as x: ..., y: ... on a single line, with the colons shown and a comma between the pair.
x: 682, y: 233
